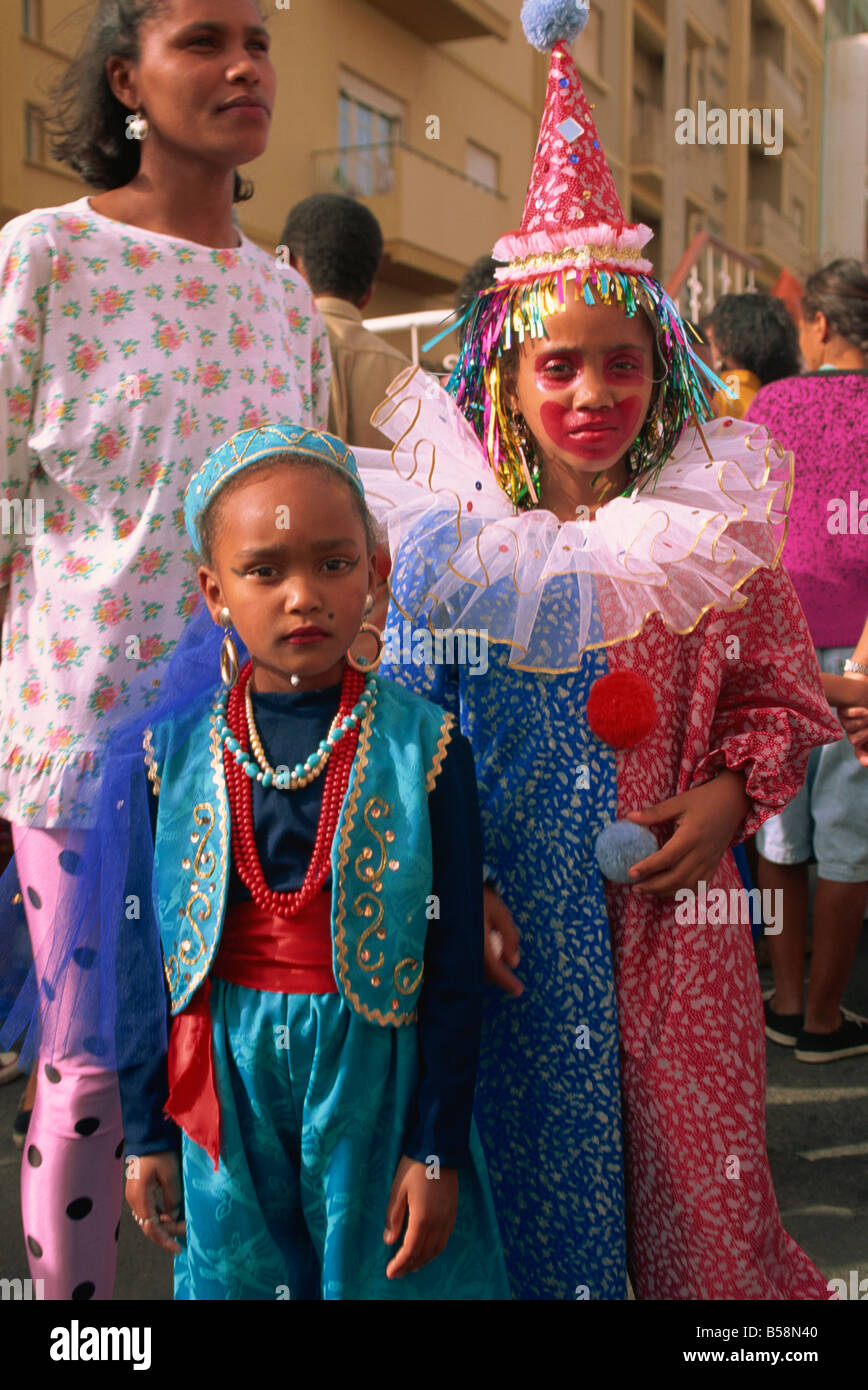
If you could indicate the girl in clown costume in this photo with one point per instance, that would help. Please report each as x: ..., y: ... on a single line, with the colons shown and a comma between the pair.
x: 648, y: 664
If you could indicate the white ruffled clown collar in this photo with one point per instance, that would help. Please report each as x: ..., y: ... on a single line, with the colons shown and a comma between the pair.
x: 679, y: 543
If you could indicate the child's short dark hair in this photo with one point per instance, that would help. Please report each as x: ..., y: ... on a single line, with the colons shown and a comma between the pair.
x: 208, y: 526
x: 340, y: 242
x: 754, y: 331
x: 88, y: 127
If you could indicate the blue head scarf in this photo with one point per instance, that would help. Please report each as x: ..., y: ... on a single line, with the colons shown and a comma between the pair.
x: 247, y: 447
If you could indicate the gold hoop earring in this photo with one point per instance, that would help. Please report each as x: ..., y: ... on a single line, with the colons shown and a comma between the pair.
x: 228, y: 652
x: 359, y: 663
x: 526, y: 452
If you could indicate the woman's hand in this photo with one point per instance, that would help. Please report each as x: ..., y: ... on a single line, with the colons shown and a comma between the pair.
x: 153, y: 1194
x: 501, y: 943
x: 854, y: 720
x: 706, y: 821
x: 430, y: 1203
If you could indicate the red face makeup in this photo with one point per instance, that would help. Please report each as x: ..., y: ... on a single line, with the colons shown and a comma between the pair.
x: 583, y: 393
x: 602, y: 431
x: 593, y: 434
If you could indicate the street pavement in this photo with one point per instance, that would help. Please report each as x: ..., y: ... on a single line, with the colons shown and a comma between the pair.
x: 817, y: 1141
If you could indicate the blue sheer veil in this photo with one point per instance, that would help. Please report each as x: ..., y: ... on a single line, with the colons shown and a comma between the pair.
x: 97, y: 987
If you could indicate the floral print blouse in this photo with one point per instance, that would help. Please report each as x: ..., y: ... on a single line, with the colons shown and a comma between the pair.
x: 125, y: 355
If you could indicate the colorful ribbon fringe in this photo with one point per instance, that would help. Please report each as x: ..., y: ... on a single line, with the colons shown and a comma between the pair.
x: 500, y: 319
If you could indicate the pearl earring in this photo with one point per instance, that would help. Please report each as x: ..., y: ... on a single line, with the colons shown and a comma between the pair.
x: 137, y: 126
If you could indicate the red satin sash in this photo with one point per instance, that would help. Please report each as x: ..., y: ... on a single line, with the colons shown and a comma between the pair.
x: 260, y: 951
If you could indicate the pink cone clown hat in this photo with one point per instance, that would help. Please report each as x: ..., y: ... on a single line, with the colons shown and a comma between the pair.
x: 574, y: 240
x: 573, y: 215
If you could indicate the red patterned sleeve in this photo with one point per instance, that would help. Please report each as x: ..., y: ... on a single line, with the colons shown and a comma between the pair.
x: 770, y: 709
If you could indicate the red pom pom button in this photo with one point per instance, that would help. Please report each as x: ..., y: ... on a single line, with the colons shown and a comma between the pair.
x: 621, y: 708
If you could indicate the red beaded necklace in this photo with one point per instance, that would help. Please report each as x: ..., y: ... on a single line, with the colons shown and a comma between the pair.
x: 240, y: 791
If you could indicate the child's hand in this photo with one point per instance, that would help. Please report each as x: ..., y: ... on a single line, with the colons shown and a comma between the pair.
x: 845, y: 690
x: 706, y: 819
x: 432, y: 1204
x: 153, y: 1194
x: 854, y: 720
x: 501, y: 942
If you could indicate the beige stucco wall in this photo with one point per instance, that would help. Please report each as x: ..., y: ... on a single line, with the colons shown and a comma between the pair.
x: 488, y: 91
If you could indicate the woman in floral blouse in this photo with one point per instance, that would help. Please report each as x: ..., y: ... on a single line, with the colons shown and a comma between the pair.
x: 138, y: 327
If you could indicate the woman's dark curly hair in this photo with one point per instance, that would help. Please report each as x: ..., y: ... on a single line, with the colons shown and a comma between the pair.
x: 840, y: 291
x: 88, y: 127
x: 755, y: 331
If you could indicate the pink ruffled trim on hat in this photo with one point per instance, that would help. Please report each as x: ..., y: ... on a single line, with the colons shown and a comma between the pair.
x: 515, y: 246
x: 517, y: 273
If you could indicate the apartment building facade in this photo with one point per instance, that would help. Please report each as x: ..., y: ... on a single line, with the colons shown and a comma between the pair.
x: 844, y: 183
x: 429, y: 114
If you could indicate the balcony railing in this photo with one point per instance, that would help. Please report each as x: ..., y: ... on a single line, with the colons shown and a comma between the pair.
x: 447, y: 19
x: 359, y: 171
x: 419, y: 201
x: 709, y: 268
x: 412, y: 322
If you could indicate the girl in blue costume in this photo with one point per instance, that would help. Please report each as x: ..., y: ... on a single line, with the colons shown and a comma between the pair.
x: 591, y: 583
x: 317, y: 917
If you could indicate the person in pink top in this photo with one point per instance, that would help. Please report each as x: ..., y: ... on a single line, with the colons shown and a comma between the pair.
x: 138, y: 328
x: 821, y: 416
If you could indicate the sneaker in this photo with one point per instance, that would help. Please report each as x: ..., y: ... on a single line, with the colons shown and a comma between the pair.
x: 850, y: 1040
x: 781, y: 1028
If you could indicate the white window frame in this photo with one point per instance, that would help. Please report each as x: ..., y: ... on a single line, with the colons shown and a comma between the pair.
x: 473, y: 147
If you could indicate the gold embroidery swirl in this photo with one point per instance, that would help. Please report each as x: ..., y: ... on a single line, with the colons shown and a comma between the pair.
x: 407, y: 985
x: 361, y: 953
x: 186, y: 954
x: 374, y: 808
x: 204, y: 863
x: 349, y: 820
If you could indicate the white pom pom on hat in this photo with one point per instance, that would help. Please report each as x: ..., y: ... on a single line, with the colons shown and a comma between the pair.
x: 547, y: 22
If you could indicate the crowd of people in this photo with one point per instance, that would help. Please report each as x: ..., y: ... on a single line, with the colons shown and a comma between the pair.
x: 361, y: 977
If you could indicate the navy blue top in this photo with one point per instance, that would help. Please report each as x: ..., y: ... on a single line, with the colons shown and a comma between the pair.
x: 450, y: 1005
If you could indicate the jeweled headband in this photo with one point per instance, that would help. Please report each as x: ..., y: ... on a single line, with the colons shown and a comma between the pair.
x: 247, y: 447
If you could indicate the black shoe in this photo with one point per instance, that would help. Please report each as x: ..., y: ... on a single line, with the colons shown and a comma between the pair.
x: 781, y: 1028
x: 19, y: 1127
x: 850, y: 1040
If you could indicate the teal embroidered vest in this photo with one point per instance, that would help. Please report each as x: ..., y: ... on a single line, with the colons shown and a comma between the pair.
x: 381, y: 856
